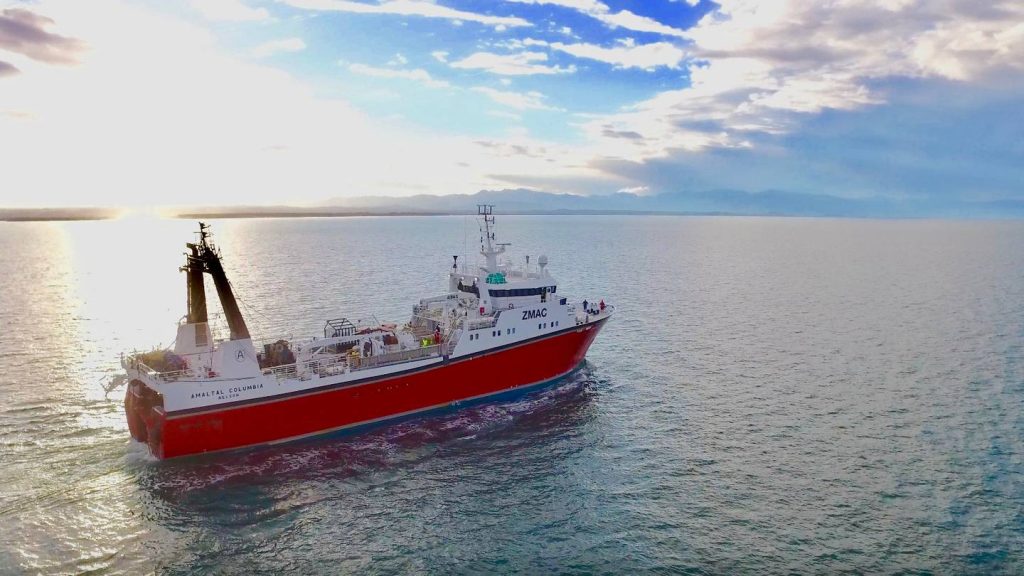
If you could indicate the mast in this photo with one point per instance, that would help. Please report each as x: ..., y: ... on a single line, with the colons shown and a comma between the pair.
x: 210, y: 258
x: 488, y: 248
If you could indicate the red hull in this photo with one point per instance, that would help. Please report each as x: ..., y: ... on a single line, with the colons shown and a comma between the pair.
x: 317, y: 412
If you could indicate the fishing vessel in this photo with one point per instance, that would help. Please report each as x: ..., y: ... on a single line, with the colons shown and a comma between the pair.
x: 497, y: 329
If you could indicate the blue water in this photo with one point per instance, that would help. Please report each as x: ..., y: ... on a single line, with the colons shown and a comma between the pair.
x: 773, y: 396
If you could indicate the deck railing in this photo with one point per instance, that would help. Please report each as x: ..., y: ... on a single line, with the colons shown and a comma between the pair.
x: 171, y: 376
x: 322, y: 365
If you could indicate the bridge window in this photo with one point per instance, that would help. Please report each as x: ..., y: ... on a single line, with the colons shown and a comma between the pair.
x: 520, y: 292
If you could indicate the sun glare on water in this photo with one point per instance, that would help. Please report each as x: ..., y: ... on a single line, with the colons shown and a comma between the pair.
x: 124, y: 285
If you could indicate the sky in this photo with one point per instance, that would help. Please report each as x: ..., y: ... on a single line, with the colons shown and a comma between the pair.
x: 270, y: 102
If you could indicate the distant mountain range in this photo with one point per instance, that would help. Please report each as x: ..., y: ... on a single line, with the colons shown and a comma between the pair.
x: 533, y: 202
x: 48, y: 214
x: 722, y: 202
x: 522, y: 201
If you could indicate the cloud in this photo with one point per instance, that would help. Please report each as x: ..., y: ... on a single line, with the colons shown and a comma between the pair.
x: 609, y: 133
x: 764, y: 68
x: 518, y: 100
x: 517, y: 64
x: 627, y: 55
x: 417, y: 75
x: 755, y: 80
x: 869, y: 38
x: 637, y: 190
x: 283, y: 45
x: 407, y: 8
x: 963, y: 145
x: 507, y: 149
x: 230, y: 10
x: 519, y: 43
x: 24, y: 32
x: 630, y: 21
x: 584, y: 6
x: 440, y: 55
x: 622, y: 19
x: 213, y: 117
x: 7, y: 69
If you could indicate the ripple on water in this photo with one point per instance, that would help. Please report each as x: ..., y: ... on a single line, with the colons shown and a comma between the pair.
x: 774, y: 396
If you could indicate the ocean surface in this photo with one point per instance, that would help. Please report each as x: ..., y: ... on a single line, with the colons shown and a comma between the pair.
x: 773, y: 396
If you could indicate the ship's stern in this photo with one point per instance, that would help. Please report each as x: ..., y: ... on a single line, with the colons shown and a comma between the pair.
x: 144, y: 411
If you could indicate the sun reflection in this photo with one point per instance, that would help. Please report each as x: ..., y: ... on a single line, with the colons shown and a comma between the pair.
x: 143, y: 213
x: 76, y: 294
x: 125, y: 286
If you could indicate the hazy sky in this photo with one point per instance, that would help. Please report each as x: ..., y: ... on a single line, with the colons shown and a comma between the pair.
x: 104, y: 102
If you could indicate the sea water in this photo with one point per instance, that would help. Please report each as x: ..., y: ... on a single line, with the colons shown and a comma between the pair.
x: 772, y: 396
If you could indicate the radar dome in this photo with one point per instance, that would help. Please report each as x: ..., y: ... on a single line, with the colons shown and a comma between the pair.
x: 543, y: 260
